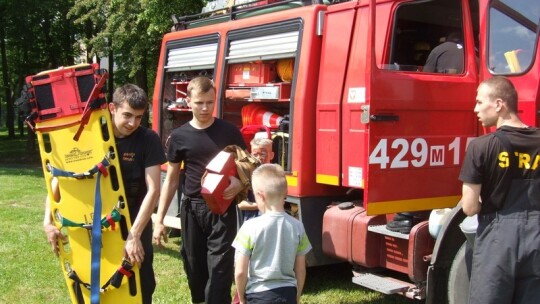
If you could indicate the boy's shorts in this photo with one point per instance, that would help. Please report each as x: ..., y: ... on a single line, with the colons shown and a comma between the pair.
x: 286, y: 295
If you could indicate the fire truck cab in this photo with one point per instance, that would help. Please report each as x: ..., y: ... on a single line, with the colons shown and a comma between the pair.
x: 362, y: 130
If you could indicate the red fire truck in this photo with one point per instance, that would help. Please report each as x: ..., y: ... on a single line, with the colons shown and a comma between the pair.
x: 362, y: 131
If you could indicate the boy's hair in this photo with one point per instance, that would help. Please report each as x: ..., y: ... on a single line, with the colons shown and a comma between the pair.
x: 270, y: 179
x: 132, y: 94
x: 501, y: 87
x: 261, y: 142
x: 200, y: 84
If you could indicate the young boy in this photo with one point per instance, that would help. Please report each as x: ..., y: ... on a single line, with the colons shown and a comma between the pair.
x: 270, y: 249
x: 261, y: 148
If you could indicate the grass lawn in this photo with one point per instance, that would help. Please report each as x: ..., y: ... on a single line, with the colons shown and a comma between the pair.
x: 30, y: 273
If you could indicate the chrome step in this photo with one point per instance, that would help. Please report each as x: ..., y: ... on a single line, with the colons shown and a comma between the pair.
x: 381, y: 229
x: 386, y: 285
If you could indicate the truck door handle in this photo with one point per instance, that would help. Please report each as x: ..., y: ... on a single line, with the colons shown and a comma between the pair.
x: 384, y: 118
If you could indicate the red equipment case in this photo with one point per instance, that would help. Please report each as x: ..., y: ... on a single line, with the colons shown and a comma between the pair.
x: 216, y: 180
x: 252, y: 73
x: 212, y: 192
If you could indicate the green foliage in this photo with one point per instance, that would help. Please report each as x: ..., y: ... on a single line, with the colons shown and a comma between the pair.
x: 37, y: 36
x: 131, y: 30
x: 47, y: 34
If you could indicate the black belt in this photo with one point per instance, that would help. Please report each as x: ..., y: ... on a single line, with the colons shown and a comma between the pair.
x: 194, y: 199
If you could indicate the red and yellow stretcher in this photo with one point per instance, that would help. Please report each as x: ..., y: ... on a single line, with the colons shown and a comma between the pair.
x: 77, y: 148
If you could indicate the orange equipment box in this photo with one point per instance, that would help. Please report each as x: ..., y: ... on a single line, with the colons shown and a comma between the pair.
x: 252, y: 73
x: 212, y: 191
x: 238, y: 93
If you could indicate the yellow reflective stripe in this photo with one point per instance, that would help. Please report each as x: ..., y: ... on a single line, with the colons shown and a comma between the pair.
x: 429, y: 203
x: 327, y: 179
x: 292, y: 181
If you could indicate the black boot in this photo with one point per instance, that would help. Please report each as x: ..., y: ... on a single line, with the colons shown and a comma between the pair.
x: 402, y: 222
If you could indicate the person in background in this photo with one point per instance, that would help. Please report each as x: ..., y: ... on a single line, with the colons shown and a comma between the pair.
x: 261, y: 148
x: 270, y: 249
x: 140, y: 155
x: 501, y: 184
x: 447, y: 57
x: 206, y: 237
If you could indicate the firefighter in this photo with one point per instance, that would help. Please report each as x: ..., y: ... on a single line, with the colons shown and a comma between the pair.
x: 501, y: 183
x: 206, y: 237
x: 447, y: 57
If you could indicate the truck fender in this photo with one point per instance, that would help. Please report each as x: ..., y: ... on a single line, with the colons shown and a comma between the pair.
x: 447, y: 246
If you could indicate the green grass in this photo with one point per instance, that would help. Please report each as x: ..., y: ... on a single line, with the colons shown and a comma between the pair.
x: 30, y: 273
x: 16, y: 150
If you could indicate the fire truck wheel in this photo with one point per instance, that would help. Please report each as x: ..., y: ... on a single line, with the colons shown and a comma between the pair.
x: 458, y: 278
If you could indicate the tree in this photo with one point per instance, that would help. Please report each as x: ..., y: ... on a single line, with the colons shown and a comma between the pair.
x: 43, y: 38
x: 53, y: 33
x: 5, y: 75
x: 132, y: 31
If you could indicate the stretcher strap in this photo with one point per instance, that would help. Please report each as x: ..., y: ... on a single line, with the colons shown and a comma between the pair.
x: 101, y: 167
x: 91, y: 105
x: 123, y: 270
x: 107, y: 221
x: 96, y: 245
x: 116, y: 279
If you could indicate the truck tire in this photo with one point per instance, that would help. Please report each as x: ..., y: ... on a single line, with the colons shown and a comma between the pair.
x: 458, y: 278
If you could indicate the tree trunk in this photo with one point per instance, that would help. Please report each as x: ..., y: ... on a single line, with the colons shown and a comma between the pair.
x: 10, y: 122
x: 110, y: 83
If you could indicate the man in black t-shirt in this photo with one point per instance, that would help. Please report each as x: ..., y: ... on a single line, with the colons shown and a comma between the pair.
x: 447, y: 57
x: 206, y: 237
x: 501, y: 183
x: 140, y: 155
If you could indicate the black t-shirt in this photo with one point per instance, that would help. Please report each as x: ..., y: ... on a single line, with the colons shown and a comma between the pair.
x: 486, y: 163
x: 138, y: 151
x: 445, y: 58
x: 197, y: 147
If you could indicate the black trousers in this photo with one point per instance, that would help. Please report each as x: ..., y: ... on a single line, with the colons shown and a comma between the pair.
x: 147, y: 278
x: 146, y: 270
x: 207, y: 252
